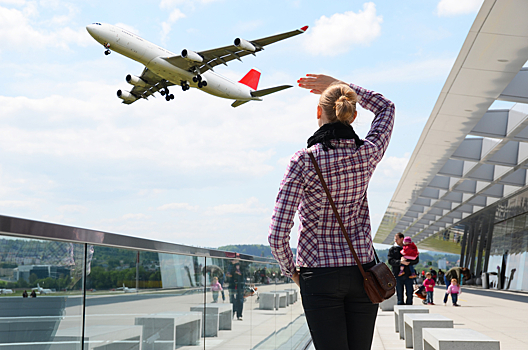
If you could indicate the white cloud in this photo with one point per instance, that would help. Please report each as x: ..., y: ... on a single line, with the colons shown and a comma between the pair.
x: 342, y: 31
x: 449, y: 8
x: 16, y: 204
x: 138, y: 216
x: 177, y: 206
x: 166, y: 26
x: 72, y: 208
x: 167, y: 4
x: 18, y: 31
x: 393, y: 167
x: 404, y: 72
x: 251, y: 206
x: 13, y: 2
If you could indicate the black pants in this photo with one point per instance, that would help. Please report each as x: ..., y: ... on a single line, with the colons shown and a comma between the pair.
x: 338, y: 311
x: 401, y: 282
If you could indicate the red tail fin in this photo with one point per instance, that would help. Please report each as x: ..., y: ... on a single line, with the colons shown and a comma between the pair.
x: 251, y: 79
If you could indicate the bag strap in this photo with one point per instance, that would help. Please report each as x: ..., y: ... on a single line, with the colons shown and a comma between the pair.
x: 334, y: 208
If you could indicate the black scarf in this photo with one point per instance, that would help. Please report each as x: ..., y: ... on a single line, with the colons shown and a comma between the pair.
x: 333, y: 131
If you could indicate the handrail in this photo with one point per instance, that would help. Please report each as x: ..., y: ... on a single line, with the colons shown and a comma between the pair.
x: 11, y: 226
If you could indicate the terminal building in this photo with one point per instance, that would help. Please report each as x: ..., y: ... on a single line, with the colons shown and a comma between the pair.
x: 465, y: 190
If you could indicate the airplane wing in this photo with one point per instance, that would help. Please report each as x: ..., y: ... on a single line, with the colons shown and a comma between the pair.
x: 222, y: 55
x: 155, y: 83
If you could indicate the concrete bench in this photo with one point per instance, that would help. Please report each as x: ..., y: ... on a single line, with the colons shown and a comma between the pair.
x: 168, y: 330
x: 388, y: 305
x: 457, y: 339
x: 25, y: 320
x: 268, y: 301
x: 291, y: 295
x: 294, y: 291
x: 414, y: 323
x: 103, y: 337
x: 400, y: 310
x: 216, y: 317
x: 283, y: 299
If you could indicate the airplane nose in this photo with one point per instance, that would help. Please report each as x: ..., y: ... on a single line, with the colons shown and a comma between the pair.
x: 91, y: 29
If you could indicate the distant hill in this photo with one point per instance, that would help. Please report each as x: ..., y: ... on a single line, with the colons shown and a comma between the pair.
x: 427, y: 259
x: 251, y: 249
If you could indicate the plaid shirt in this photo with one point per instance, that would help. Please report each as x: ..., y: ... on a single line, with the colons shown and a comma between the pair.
x: 347, y: 171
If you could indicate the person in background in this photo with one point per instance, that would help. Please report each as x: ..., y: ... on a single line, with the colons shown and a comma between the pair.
x: 25, y: 294
x: 433, y: 273
x: 402, y: 282
x: 429, y: 284
x: 215, y: 288
x: 33, y: 294
x: 409, y: 253
x: 458, y: 273
x: 454, y: 290
x: 440, y: 277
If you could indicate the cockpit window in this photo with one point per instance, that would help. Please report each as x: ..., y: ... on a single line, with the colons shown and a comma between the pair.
x: 97, y: 24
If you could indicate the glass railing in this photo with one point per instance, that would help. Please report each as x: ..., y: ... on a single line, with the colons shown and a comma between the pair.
x: 70, y: 288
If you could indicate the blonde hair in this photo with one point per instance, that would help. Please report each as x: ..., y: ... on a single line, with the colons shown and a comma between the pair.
x: 338, y: 102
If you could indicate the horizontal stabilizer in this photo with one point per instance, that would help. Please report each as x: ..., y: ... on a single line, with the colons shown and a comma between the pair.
x: 264, y: 92
x: 238, y: 103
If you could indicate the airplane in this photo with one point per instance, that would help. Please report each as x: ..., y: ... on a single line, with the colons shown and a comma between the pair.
x: 42, y: 290
x: 190, y: 69
x: 127, y: 290
x: 6, y: 291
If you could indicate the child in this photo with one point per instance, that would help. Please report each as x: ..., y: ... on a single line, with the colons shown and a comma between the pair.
x: 429, y: 284
x: 454, y: 290
x: 408, y: 252
x: 215, y: 288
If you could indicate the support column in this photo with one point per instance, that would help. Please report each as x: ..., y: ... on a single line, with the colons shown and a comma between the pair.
x: 463, y: 243
x: 488, y: 242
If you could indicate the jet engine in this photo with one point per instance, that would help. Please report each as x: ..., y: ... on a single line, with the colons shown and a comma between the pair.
x: 244, y: 45
x: 136, y: 81
x: 191, y: 56
x: 126, y: 96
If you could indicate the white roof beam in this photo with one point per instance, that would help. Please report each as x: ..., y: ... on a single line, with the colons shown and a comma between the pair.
x: 440, y: 182
x: 467, y: 186
x: 452, y: 167
x: 453, y: 197
x: 496, y: 191
x: 470, y: 149
x: 430, y: 193
x: 417, y: 208
x: 517, y: 89
x: 483, y: 172
x: 506, y: 156
x: 423, y: 201
x: 494, y: 123
x: 517, y: 178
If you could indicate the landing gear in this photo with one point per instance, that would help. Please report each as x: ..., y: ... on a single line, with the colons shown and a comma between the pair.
x: 197, y: 78
x: 185, y: 85
x: 107, y: 47
x: 168, y: 96
x: 202, y: 84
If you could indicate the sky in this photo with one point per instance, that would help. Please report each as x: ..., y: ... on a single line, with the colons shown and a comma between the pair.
x: 194, y: 170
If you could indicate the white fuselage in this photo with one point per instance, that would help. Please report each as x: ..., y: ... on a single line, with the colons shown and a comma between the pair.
x: 151, y: 56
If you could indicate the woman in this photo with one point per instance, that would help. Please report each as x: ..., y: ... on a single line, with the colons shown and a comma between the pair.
x: 338, y: 311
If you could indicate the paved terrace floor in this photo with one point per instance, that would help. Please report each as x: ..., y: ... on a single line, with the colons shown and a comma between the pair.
x: 498, y: 314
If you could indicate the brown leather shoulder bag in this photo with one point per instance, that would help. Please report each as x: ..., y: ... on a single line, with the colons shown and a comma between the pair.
x: 378, y: 281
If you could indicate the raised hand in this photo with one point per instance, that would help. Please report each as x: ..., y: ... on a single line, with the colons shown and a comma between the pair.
x: 317, y: 83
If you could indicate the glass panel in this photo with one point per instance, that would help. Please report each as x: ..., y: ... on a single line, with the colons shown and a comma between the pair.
x: 144, y: 298
x: 41, y: 294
